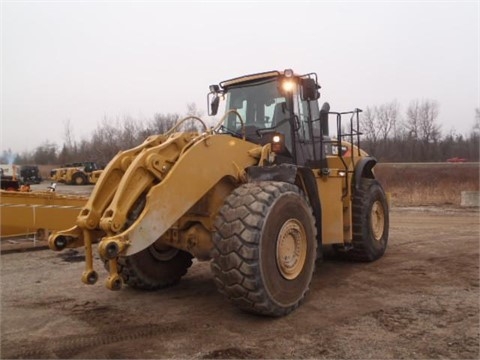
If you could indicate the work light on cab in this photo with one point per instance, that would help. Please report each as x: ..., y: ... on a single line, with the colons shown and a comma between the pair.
x: 278, y: 143
x: 288, y: 85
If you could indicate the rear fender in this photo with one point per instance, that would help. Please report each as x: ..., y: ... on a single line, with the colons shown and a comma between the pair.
x: 364, y: 169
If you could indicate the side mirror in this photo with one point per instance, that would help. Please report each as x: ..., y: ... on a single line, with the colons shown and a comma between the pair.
x: 213, y: 102
x: 309, y: 89
x: 214, y: 105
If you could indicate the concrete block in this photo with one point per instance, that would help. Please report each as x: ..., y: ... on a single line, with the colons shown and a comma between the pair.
x: 470, y: 199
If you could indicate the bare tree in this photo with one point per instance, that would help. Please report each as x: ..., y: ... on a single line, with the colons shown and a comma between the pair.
x: 68, y: 134
x: 369, y: 125
x: 162, y: 123
x: 45, y: 153
x: 476, y: 124
x: 69, y: 150
x: 474, y: 138
x: 422, y: 128
x: 193, y: 125
x: 429, y: 129
x: 104, y: 143
x: 386, y: 115
x: 412, y: 122
x: 130, y: 133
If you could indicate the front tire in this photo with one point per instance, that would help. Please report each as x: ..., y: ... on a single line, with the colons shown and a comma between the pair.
x: 265, y: 248
x: 154, y: 268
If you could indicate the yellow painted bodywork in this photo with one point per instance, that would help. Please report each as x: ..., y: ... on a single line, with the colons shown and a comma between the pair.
x: 65, y: 175
x: 190, y: 180
x: 160, y: 191
x: 169, y: 172
x: 28, y: 212
x: 335, y: 193
x: 59, y: 175
x: 330, y: 190
x: 170, y: 189
x: 94, y: 176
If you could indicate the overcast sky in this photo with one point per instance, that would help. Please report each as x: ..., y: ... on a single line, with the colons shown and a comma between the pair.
x: 86, y: 60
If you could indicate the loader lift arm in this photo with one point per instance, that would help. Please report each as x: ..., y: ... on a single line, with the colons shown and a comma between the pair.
x: 162, y: 169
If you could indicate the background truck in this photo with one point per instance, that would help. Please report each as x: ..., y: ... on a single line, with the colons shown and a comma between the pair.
x: 258, y: 194
x: 10, y: 177
x: 30, y: 174
x: 79, y: 173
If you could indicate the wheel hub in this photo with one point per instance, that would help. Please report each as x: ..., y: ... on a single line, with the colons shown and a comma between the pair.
x: 162, y: 252
x: 291, y: 249
x: 377, y: 219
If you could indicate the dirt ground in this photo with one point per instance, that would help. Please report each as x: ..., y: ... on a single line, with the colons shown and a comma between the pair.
x: 421, y: 300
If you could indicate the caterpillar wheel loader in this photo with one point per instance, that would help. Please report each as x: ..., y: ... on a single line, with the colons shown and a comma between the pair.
x: 82, y: 173
x: 258, y: 195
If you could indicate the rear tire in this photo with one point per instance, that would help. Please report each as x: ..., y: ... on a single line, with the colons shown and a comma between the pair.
x: 265, y: 248
x: 153, y: 268
x: 370, y: 220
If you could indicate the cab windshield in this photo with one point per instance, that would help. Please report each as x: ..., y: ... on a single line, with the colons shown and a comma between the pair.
x: 260, y: 104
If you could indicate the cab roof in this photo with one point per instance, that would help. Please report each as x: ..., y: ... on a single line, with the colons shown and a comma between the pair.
x: 253, y: 77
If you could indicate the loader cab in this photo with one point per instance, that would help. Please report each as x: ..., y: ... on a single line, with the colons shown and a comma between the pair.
x: 278, y: 104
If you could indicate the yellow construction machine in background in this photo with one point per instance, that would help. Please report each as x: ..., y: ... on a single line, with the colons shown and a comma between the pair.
x: 81, y: 173
x: 258, y: 195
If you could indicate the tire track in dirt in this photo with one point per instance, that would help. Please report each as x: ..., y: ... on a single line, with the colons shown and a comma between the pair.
x: 99, y: 317
x: 70, y: 346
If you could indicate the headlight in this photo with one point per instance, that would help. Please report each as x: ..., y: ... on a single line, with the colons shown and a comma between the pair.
x: 288, y: 85
x: 278, y: 143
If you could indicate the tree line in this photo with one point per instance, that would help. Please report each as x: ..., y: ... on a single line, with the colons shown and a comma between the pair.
x: 388, y: 134
x: 109, y: 137
x: 415, y: 135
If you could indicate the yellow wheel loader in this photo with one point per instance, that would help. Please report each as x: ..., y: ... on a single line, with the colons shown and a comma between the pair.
x: 82, y: 173
x: 258, y: 195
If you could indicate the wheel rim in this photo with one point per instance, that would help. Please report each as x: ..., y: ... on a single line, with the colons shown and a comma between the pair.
x: 78, y: 180
x: 377, y: 217
x: 291, y: 249
x: 163, y: 252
